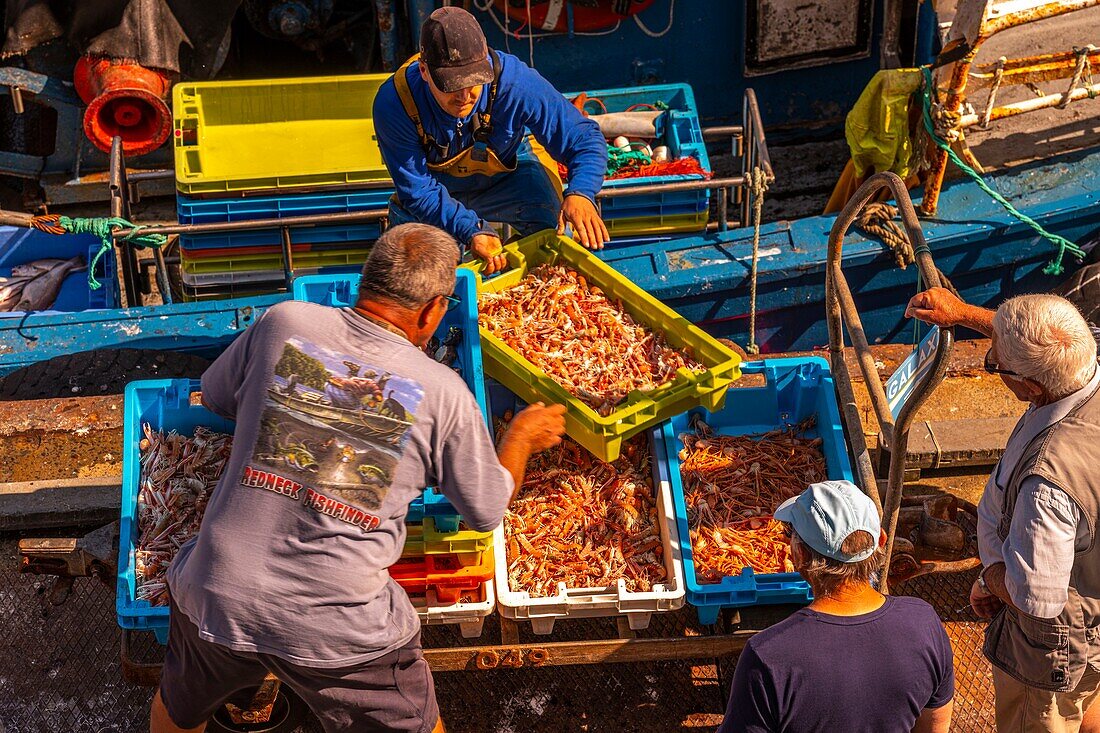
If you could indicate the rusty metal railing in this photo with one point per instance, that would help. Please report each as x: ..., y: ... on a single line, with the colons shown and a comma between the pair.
x: 841, y: 312
x: 974, y: 24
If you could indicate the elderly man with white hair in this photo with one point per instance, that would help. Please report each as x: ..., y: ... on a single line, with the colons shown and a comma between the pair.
x: 1037, y: 520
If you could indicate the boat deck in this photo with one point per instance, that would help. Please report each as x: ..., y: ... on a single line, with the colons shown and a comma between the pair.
x: 68, y: 677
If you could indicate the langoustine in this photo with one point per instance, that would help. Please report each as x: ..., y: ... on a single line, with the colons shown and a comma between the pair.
x: 733, y: 485
x: 581, y: 338
x: 585, y: 523
x: 178, y: 474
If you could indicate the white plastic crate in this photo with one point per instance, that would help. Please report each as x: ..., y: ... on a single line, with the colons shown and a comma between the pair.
x: 469, y: 617
x: 638, y: 607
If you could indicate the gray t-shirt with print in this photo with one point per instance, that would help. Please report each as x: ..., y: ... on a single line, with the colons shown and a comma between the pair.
x: 340, y: 423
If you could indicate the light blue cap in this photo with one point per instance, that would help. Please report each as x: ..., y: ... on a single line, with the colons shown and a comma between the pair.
x: 826, y: 513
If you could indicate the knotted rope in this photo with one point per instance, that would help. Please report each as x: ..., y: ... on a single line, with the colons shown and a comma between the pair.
x: 878, y: 219
x: 102, y: 228
x: 758, y: 185
x: 1054, y: 267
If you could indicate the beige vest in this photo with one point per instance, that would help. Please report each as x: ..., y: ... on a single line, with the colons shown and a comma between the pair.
x: 1052, y: 654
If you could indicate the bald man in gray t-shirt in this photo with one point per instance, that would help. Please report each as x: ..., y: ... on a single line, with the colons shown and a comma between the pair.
x: 341, y: 421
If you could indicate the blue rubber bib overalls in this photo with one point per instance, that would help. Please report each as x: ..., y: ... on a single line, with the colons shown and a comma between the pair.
x: 526, y: 195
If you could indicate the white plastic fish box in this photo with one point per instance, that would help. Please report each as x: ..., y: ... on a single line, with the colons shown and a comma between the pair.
x: 469, y: 617
x: 616, y: 600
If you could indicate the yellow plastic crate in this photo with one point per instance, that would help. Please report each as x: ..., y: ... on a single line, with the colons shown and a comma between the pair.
x: 600, y: 434
x: 467, y: 545
x: 251, y: 262
x: 276, y: 134
x: 642, y: 225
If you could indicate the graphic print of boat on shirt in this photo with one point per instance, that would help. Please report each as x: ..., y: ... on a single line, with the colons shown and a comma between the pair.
x: 334, y: 423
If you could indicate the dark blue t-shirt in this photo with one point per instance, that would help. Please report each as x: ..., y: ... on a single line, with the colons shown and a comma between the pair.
x: 872, y: 673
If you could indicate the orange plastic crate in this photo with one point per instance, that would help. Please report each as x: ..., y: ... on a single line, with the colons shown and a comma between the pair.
x: 445, y: 574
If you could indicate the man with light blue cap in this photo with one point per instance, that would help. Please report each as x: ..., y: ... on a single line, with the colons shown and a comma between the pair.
x: 819, y: 669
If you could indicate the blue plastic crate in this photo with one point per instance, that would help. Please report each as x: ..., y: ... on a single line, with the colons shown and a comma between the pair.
x: 679, y: 128
x: 19, y: 246
x: 166, y: 405
x: 795, y: 389
x: 342, y: 290
x: 203, y: 211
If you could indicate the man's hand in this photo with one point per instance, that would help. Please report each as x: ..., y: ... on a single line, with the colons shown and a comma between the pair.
x: 588, y: 228
x: 938, y: 306
x: 538, y: 427
x: 985, y: 604
x: 489, y: 248
x: 535, y: 428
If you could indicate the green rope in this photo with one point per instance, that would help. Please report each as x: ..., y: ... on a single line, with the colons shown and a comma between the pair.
x: 617, y: 159
x: 1054, y: 267
x: 102, y: 228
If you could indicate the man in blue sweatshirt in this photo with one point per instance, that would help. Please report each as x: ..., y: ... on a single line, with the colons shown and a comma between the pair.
x: 471, y: 136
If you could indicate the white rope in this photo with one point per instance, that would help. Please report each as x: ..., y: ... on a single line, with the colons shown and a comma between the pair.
x: 530, y: 37
x: 1083, y: 63
x: 651, y: 34
x: 997, y: 74
x: 758, y: 185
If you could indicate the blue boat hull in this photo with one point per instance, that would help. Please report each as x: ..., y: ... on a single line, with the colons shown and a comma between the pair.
x: 985, y: 252
x: 204, y: 328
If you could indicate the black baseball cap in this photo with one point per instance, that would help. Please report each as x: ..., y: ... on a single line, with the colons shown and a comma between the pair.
x: 453, y: 47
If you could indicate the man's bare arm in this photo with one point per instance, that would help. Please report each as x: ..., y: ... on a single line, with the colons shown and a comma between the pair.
x: 943, y: 308
x: 935, y: 720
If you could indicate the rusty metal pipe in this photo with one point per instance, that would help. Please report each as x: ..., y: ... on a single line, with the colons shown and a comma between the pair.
x: 879, y: 401
x: 934, y: 183
x: 719, y: 132
x: 250, y: 224
x: 761, y: 158
x: 835, y: 282
x: 119, y: 188
x: 1030, y: 105
x: 15, y: 218
x: 865, y: 472
x: 702, y: 184
x: 1032, y: 70
x: 997, y: 22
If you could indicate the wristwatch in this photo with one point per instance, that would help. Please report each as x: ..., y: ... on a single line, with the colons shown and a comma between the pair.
x: 981, y: 582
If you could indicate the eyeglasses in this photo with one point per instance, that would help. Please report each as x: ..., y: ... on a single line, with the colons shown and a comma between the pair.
x: 452, y: 302
x: 992, y: 368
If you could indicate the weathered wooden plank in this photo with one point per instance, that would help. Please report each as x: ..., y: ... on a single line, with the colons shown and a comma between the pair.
x: 26, y: 505
x: 607, y: 651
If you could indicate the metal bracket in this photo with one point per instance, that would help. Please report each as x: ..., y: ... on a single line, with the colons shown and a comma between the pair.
x: 93, y: 555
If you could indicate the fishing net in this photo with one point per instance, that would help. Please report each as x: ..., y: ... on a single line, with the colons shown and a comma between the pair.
x: 688, y: 166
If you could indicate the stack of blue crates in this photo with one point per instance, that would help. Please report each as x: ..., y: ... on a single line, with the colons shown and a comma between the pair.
x: 251, y: 262
x: 634, y: 219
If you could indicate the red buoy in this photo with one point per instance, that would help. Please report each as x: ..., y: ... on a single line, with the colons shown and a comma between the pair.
x: 124, y: 99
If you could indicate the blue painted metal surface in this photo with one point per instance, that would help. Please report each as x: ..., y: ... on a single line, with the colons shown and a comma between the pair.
x: 388, y: 38
x: 204, y: 328
x: 705, y: 47
x: 987, y: 254
x: 52, y: 93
